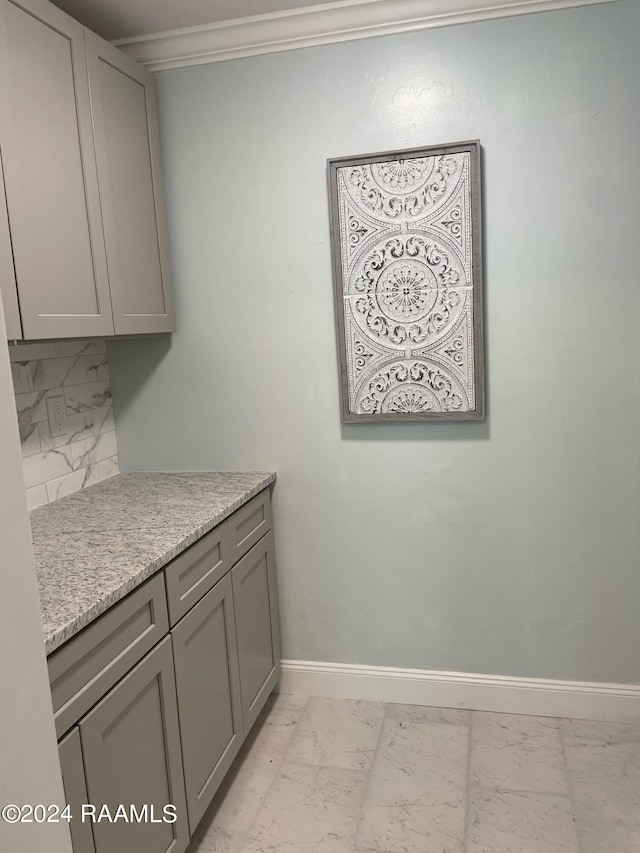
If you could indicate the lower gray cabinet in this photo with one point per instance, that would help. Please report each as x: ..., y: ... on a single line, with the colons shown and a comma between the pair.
x: 208, y: 683
x: 131, y: 751
x: 75, y: 790
x: 167, y: 732
x: 255, y: 598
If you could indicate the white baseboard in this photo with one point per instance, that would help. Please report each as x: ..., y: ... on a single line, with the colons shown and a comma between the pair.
x: 535, y: 696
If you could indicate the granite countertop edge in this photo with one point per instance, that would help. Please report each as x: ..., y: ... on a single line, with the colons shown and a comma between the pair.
x: 56, y: 635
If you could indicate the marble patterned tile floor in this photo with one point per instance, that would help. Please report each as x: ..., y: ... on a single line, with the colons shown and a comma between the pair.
x: 336, y: 776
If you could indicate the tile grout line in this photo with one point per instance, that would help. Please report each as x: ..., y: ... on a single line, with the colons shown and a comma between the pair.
x: 277, y: 771
x: 371, y: 771
x: 465, y: 840
x: 569, y: 785
x: 327, y: 766
x: 505, y: 790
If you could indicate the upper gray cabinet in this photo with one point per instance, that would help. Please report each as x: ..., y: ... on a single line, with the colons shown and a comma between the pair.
x: 130, y: 179
x: 50, y: 173
x: 7, y: 273
x: 78, y: 138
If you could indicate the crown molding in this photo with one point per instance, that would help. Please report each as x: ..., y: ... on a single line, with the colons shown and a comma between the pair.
x: 316, y: 25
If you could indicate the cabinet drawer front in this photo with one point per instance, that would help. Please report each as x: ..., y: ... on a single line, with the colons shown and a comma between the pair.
x: 249, y: 523
x: 255, y: 598
x: 131, y: 749
x: 90, y: 663
x: 208, y: 684
x: 194, y: 572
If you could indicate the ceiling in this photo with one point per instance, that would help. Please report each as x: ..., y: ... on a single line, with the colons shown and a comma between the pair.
x: 115, y: 19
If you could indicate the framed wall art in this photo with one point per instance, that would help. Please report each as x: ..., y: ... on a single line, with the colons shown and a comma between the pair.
x: 406, y: 240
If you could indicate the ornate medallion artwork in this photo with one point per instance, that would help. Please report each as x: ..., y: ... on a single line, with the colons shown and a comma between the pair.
x: 406, y: 240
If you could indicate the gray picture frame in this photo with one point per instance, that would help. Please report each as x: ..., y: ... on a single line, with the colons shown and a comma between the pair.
x: 469, y: 406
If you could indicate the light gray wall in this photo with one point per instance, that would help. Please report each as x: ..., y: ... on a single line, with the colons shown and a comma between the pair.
x: 510, y: 547
x: 29, y: 766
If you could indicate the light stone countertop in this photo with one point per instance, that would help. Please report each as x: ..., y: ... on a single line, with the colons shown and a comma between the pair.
x: 96, y: 545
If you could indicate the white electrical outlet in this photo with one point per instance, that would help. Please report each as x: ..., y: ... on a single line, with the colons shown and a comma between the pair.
x: 57, y: 412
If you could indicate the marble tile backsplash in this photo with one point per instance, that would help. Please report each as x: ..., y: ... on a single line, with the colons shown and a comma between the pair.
x: 86, y: 451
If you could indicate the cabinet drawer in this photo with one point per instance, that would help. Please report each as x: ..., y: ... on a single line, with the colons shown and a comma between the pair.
x: 248, y: 524
x: 195, y: 571
x: 90, y: 663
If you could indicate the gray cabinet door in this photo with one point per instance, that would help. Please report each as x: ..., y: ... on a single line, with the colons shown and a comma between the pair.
x: 131, y: 749
x: 75, y: 791
x: 131, y: 192
x: 255, y: 597
x: 7, y: 274
x: 50, y: 173
x: 207, y: 679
